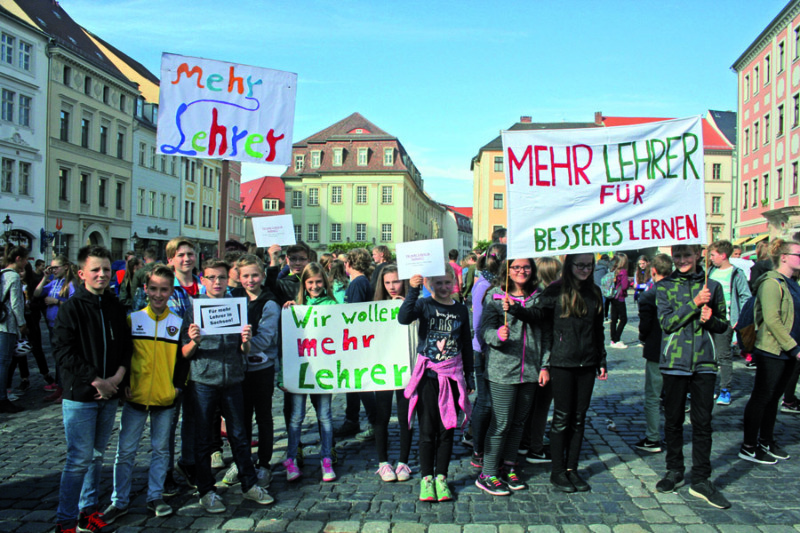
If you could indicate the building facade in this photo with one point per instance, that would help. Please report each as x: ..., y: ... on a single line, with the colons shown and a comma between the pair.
x: 353, y: 182
x: 262, y: 197
x: 457, y: 232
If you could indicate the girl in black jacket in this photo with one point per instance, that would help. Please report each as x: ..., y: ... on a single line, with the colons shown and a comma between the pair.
x: 577, y: 356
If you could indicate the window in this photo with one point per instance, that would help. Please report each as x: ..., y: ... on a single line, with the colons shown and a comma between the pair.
x: 25, y: 55
x: 67, y: 77
x: 781, y: 55
x: 336, y: 194
x: 120, y: 145
x: 84, y: 188
x: 120, y: 196
x: 716, y: 171
x: 781, y: 119
x: 270, y: 204
x: 103, y: 139
x: 122, y: 102
x: 765, y: 197
x: 298, y: 233
x: 386, y: 232
x: 361, y: 232
x: 64, y: 127
x: 85, y: 125
x: 102, y: 186
x: 106, y: 94
x: 336, y: 232
x: 186, y: 212
x: 140, y: 202
x: 297, y: 199
x: 756, y: 124
x: 362, y: 157
x: 7, y: 48
x: 796, y: 116
x: 744, y: 196
x: 152, y: 204
x: 766, y: 129
x: 153, y: 157
x: 498, y: 201
x: 8, y: 105
x: 63, y: 184
x: 316, y: 158
x: 716, y: 205
x: 498, y: 163
x: 767, y: 70
x: 779, y: 183
x: 755, y: 192
x: 797, y: 42
x: 172, y: 204
x: 388, y: 157
x: 24, y: 110
x: 24, y: 178
x: 747, y: 87
x: 313, y: 232
x: 299, y: 161
x: 7, y: 178
x: 361, y: 194
x: 313, y: 196
x: 337, y: 157
x: 142, y: 153
x: 172, y: 165
x: 162, y: 206
x: 755, y: 80
x: 386, y: 194
x: 87, y: 86
x: 794, y: 177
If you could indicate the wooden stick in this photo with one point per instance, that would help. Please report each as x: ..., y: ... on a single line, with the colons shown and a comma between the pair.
x: 505, y: 313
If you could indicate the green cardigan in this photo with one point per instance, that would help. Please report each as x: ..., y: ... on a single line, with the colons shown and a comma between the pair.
x: 774, y: 310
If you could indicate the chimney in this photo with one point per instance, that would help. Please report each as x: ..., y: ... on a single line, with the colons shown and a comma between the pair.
x: 598, y: 118
x: 525, y: 119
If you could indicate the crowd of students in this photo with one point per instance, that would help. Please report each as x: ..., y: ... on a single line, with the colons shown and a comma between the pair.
x: 522, y: 333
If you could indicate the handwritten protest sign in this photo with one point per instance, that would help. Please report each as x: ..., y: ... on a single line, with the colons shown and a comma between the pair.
x: 214, y: 109
x: 217, y: 316
x: 425, y: 258
x: 620, y: 188
x: 278, y: 229
x: 345, y: 348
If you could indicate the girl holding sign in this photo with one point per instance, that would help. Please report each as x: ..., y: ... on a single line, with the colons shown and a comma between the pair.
x: 577, y: 356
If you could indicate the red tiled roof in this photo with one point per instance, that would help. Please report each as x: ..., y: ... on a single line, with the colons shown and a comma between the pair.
x: 712, y: 138
x: 252, y: 192
x: 466, y: 211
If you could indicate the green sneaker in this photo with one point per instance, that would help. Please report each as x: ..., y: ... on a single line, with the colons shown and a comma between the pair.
x: 442, y: 490
x: 426, y: 492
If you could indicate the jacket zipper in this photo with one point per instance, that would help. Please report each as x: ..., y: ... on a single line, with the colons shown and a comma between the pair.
x: 153, y: 370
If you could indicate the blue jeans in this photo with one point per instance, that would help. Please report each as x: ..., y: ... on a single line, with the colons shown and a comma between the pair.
x: 206, y: 399
x: 322, y: 404
x: 131, y: 427
x: 87, y: 426
x: 8, y: 344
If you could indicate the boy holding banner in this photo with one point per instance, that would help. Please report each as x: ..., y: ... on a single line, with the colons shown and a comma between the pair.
x: 690, y: 309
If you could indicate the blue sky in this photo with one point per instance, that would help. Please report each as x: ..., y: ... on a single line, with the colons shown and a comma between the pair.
x: 446, y: 77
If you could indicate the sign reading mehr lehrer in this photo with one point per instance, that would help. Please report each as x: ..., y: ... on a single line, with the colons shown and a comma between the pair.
x: 217, y: 316
x: 345, y: 348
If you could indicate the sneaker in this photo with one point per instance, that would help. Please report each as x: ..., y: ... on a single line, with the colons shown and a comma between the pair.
x: 386, y: 472
x: 212, y: 503
x: 706, y: 490
x: 619, y: 345
x: 673, y: 480
x: 217, y: 461
x: 292, y: 472
x: 327, y: 470
x: 258, y: 495
x: 11, y: 396
x: 367, y: 434
x: 426, y: 491
x: 7, y: 407
x: 112, y: 513
x: 159, y: 508
x: 492, y: 485
x: 538, y: 457
x: 466, y: 440
x: 750, y: 365
x: 56, y: 394
x: 522, y: 451
x: 561, y: 482
x: 187, y: 472
x: 264, y: 476
x: 724, y: 397
x: 170, y: 487
x: 232, y: 475
x: 403, y: 472
x: 65, y: 529
x: 477, y: 460
x: 756, y: 455
x: 509, y: 476
x: 648, y: 446
x: 92, y: 523
x: 443, y: 493
x: 577, y: 481
x: 793, y: 408
x: 346, y: 429
x: 774, y: 450
x: 51, y: 386
x: 49, y: 379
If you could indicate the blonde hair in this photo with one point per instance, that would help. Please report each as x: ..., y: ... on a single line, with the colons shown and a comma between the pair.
x: 549, y: 270
x: 312, y: 269
x: 779, y: 247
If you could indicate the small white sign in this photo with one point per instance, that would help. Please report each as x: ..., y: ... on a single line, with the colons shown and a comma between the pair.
x: 218, y: 316
x: 425, y: 258
x: 277, y: 229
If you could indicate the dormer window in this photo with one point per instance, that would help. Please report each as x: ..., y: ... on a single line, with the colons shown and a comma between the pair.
x: 337, y: 156
x: 270, y: 204
x: 362, y: 157
x: 316, y: 158
x: 388, y: 157
x: 299, y: 162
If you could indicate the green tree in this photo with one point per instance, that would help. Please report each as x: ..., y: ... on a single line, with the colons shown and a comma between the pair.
x: 345, y: 247
x: 481, y: 245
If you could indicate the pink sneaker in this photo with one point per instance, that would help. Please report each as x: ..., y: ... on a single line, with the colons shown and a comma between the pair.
x: 403, y: 472
x: 386, y: 472
x: 327, y: 470
x: 51, y: 387
x: 292, y: 472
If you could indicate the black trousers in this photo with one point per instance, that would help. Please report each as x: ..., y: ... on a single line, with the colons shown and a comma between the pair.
x: 258, y: 388
x: 619, y: 317
x: 572, y: 393
x: 383, y: 412
x: 435, y: 442
x: 354, y: 402
x: 772, y: 374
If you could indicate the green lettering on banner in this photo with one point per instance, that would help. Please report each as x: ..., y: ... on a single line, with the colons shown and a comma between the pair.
x: 304, y: 322
x: 687, y: 160
x: 324, y: 374
x: 303, y: 370
x: 358, y: 373
x: 657, y: 158
x: 342, y: 375
x: 199, y: 136
x: 670, y: 140
x: 349, y: 320
x: 398, y: 375
x: 609, y: 179
x: 378, y: 370
x: 623, y: 163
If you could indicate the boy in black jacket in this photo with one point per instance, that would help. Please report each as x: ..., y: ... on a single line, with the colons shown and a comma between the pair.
x: 92, y: 345
x: 650, y: 336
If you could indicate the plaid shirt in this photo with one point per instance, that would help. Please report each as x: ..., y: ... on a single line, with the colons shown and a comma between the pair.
x: 180, y: 300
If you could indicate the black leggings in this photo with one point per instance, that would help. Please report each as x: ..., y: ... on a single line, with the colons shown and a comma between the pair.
x: 572, y: 393
x: 383, y: 412
x: 762, y: 407
x: 619, y: 317
x: 435, y: 442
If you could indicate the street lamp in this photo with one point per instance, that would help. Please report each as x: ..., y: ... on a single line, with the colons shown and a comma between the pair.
x: 8, y: 226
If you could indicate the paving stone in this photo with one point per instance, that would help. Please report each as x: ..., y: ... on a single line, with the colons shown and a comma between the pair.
x: 408, y: 527
x: 508, y: 528
x: 629, y: 528
x: 239, y: 524
x: 444, y: 528
x: 376, y: 527
x: 342, y: 527
x: 480, y: 528
x: 599, y: 528
x: 305, y: 526
x: 542, y: 529
x: 207, y: 522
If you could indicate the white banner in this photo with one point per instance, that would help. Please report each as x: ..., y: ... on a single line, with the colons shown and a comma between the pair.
x: 425, y: 258
x: 345, y: 348
x: 604, y: 189
x: 219, y: 110
x: 277, y: 229
x: 218, y: 316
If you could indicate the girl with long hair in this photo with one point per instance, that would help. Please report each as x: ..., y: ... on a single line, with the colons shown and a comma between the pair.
x: 619, y: 312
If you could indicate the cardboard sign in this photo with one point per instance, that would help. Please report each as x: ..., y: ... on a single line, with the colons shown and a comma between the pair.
x: 425, y: 258
x: 217, y: 316
x: 345, y: 348
x: 620, y: 188
x: 219, y: 110
x: 278, y: 229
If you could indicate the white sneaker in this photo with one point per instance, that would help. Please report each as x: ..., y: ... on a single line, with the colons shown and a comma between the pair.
x: 11, y: 396
x: 217, y: 461
x: 403, y: 472
x: 292, y: 472
x: 386, y: 472
x: 619, y: 345
x: 258, y: 495
x: 212, y: 503
x: 327, y: 470
x: 264, y: 477
x: 232, y: 475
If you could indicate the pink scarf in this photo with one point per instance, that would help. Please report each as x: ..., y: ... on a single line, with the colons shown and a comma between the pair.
x: 446, y: 370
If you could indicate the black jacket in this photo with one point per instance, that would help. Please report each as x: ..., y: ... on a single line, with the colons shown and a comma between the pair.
x: 91, y: 339
x: 649, y: 328
x: 284, y: 289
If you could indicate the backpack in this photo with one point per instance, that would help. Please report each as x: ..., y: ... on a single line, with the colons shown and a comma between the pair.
x: 608, y: 285
x: 746, y: 328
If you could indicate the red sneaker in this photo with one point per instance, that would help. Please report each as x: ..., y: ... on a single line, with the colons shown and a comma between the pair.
x: 55, y: 396
x: 93, y: 523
